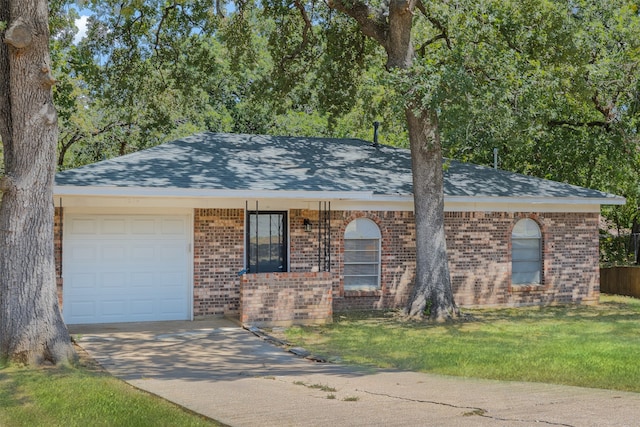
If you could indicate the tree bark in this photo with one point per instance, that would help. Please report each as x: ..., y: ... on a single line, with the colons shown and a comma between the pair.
x: 31, y: 327
x: 432, y: 295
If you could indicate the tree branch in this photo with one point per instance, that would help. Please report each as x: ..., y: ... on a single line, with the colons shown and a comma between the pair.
x: 444, y: 32
x: 371, y: 23
x: 308, y: 28
x: 608, y: 111
x: 165, y: 12
x: 569, y: 123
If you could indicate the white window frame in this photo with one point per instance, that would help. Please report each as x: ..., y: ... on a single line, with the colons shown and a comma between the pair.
x: 526, y: 230
x: 363, y: 229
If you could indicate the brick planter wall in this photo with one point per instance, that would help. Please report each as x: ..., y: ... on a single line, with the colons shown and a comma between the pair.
x: 282, y: 299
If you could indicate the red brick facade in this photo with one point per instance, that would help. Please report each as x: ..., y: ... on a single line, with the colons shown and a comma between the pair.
x: 218, y: 256
x: 479, y: 247
x: 286, y: 298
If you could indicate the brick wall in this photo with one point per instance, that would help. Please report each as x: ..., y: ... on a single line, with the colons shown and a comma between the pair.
x: 397, y: 259
x: 218, y: 257
x: 281, y: 299
x: 479, y: 249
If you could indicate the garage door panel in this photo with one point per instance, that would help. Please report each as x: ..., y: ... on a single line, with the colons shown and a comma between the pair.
x: 141, y: 275
x: 144, y: 253
x: 84, y: 309
x: 113, y: 308
x: 143, y: 280
x: 114, y: 253
x: 171, y: 307
x: 114, y: 226
x: 78, y: 281
x: 83, y: 226
x: 142, y: 307
x: 113, y: 280
x: 82, y: 253
x: 144, y: 227
x: 173, y: 227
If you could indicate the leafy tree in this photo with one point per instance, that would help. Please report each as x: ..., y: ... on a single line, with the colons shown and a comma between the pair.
x: 31, y: 327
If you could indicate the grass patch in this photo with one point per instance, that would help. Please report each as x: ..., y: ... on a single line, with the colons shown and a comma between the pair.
x: 572, y: 345
x: 63, y: 396
x: 321, y: 387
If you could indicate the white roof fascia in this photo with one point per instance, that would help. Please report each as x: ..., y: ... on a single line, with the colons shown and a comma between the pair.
x: 450, y: 201
x: 60, y: 190
x: 616, y: 200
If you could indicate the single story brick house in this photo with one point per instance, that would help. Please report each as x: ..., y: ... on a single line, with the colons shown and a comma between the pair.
x: 280, y: 230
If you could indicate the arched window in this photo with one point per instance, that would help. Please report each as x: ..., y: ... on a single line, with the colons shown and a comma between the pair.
x: 361, y: 255
x: 526, y: 253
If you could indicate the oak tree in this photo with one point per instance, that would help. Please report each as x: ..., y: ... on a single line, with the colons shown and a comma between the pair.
x: 31, y: 326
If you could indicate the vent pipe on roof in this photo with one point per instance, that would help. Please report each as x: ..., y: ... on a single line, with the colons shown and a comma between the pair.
x: 495, y: 158
x: 376, y: 125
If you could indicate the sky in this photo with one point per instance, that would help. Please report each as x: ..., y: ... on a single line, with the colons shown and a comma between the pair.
x: 81, y: 23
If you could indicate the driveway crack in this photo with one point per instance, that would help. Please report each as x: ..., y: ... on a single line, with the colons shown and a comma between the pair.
x: 480, y: 412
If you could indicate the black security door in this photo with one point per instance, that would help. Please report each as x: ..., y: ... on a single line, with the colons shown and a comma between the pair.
x: 266, y: 242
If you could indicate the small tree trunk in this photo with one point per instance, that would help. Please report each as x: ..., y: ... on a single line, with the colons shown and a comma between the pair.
x: 432, y: 295
x: 31, y: 327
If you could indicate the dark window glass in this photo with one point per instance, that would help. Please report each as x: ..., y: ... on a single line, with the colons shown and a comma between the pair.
x: 267, y: 242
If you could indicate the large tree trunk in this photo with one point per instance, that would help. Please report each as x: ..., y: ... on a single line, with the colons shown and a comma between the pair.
x: 431, y: 295
x: 31, y: 327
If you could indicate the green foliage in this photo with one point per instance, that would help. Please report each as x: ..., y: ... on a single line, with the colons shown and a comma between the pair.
x: 573, y: 345
x: 553, y: 85
x: 615, y: 249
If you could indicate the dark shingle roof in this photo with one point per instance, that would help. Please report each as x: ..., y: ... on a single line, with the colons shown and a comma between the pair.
x: 256, y: 162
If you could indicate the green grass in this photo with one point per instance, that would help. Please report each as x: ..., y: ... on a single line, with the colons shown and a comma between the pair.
x: 81, y: 397
x: 573, y: 345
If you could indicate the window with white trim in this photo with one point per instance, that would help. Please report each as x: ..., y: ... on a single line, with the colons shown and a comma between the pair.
x: 526, y: 253
x: 362, y: 255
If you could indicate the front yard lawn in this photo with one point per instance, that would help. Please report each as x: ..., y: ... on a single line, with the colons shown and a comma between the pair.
x: 83, y: 396
x: 573, y: 345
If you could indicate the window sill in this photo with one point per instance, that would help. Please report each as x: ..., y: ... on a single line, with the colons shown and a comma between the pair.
x: 363, y: 293
x: 527, y: 288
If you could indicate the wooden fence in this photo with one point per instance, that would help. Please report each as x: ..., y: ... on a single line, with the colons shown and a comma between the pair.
x: 620, y: 281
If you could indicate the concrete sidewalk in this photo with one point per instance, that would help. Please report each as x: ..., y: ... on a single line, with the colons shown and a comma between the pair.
x: 220, y: 370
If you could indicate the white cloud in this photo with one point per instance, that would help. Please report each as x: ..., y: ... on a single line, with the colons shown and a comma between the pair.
x: 81, y: 23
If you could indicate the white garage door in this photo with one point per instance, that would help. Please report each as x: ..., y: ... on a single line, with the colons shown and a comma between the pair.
x: 120, y: 268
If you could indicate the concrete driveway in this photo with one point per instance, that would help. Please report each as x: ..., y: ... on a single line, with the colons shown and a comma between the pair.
x: 220, y: 370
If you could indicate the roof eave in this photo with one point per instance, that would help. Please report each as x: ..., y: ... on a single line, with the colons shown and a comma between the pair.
x: 110, y: 191
x: 605, y: 200
x: 99, y: 191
